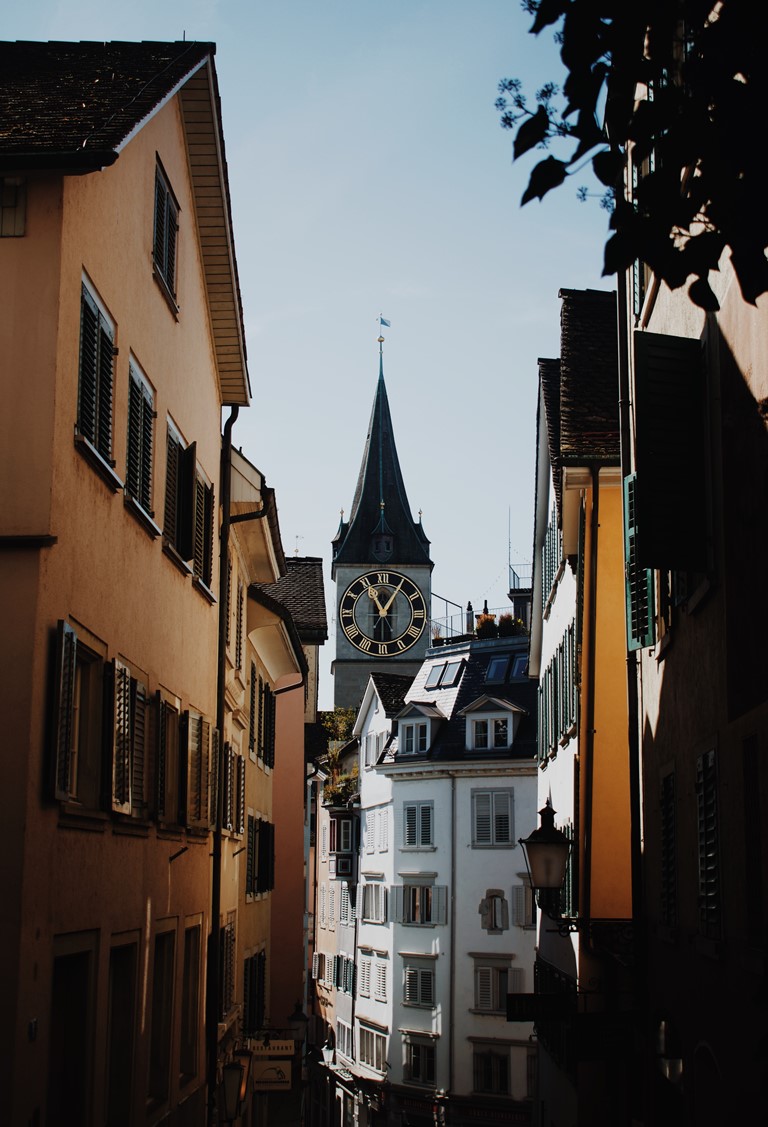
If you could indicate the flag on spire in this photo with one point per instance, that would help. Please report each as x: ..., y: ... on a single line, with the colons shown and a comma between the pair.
x: 385, y: 324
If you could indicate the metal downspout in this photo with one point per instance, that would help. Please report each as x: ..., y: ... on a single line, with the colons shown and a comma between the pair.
x: 452, y: 1018
x: 590, y: 718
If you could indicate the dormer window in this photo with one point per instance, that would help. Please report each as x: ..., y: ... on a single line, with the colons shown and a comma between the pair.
x: 414, y: 737
x: 492, y: 733
x: 444, y: 675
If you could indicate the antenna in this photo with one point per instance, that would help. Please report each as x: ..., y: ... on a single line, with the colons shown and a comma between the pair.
x: 296, y: 549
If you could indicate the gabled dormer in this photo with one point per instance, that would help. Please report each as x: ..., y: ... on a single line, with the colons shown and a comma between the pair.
x: 491, y: 724
x: 417, y: 726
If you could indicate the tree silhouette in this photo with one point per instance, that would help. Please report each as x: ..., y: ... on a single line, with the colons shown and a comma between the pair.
x: 664, y: 98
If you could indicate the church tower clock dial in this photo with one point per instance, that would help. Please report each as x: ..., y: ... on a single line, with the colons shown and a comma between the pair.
x: 381, y: 568
x: 383, y: 613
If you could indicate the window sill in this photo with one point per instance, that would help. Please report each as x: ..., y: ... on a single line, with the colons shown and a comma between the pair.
x: 204, y: 589
x: 165, y: 290
x: 494, y: 845
x: 97, y: 462
x: 75, y: 817
x: 488, y: 1013
x: 141, y: 515
x: 175, y: 558
x: 418, y: 848
x: 131, y: 826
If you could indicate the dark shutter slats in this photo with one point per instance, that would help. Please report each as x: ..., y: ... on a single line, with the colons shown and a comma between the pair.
x: 66, y: 659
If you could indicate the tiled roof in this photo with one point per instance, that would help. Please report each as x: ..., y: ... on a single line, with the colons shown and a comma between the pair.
x: 450, y: 739
x: 549, y: 380
x: 589, y: 397
x: 73, y: 105
x: 302, y: 593
x: 391, y: 688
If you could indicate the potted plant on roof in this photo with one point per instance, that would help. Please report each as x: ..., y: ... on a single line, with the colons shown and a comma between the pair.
x: 485, y: 626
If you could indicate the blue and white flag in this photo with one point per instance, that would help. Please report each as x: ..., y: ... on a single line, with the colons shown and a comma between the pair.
x: 385, y: 323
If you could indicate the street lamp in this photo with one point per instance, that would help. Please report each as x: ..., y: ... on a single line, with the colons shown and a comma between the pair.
x: 546, y: 851
x: 234, y: 1085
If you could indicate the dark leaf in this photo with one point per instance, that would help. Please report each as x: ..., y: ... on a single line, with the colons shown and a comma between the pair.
x: 547, y: 174
x: 751, y: 268
x: 531, y: 133
x: 701, y: 294
x: 608, y: 166
x: 620, y: 253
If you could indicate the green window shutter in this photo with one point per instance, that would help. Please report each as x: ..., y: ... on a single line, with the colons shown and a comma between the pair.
x: 89, y: 362
x: 139, y: 708
x: 64, y: 704
x: 105, y: 377
x: 187, y: 487
x: 639, y: 580
x: 671, y: 450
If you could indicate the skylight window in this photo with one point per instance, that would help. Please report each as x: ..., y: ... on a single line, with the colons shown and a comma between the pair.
x: 497, y: 669
x: 444, y: 675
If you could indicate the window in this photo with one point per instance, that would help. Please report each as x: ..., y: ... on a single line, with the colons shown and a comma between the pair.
x: 233, y: 788
x: 414, y: 738
x: 558, y: 695
x: 366, y: 962
x: 370, y: 831
x: 95, y: 389
x: 341, y: 835
x: 374, y: 903
x: 494, y: 979
x: 346, y: 910
x: 490, y: 1070
x: 417, y: 824
x: 323, y: 910
x: 202, y: 557
x: 190, y: 1004
x: 227, y: 966
x: 418, y: 983
x: 523, y: 903
x: 639, y: 580
x: 345, y: 1041
x: 422, y: 904
x: 260, y: 858
x: 254, y: 993
x: 161, y: 1021
x: 493, y: 733
x: 165, y: 233
x: 167, y: 760
x: 332, y: 905
x: 13, y: 206
x: 121, y: 1031
x: 709, y: 846
x: 344, y: 973
x: 141, y: 425
x: 371, y: 748
x: 380, y: 978
x: 419, y: 1063
x: 444, y: 675
x: 198, y: 770
x: 318, y: 966
x: 383, y: 824
x: 78, y: 720
x: 373, y: 1049
x: 494, y: 911
x: 252, y: 711
x: 129, y: 742
x: 492, y: 821
x: 267, y: 716
x: 179, y: 494
x: 497, y: 669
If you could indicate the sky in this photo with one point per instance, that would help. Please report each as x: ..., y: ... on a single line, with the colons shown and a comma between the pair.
x: 369, y: 176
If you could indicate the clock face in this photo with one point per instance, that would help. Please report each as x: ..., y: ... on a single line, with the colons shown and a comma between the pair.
x: 383, y: 613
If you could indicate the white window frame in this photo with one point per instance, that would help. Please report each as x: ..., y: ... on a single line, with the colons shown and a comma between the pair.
x: 414, y: 737
x: 419, y: 983
x: 493, y: 980
x: 419, y: 1060
x: 374, y: 907
x: 372, y: 1049
x: 364, y: 980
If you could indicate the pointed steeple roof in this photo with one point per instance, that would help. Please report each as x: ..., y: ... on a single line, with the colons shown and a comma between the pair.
x: 380, y: 526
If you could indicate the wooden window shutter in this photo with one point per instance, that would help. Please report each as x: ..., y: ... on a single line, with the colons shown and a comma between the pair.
x: 213, y: 778
x: 161, y: 757
x: 64, y: 703
x: 139, y: 713
x: 670, y: 452
x: 89, y: 353
x: 502, y: 817
x: 240, y: 795
x: 185, y: 519
x: 171, y: 518
x: 121, y: 739
x: 425, y: 824
x: 639, y: 580
x: 484, y: 988
x: 253, y: 706
x: 410, y: 824
x: 482, y: 818
x: 105, y: 377
x: 250, y: 856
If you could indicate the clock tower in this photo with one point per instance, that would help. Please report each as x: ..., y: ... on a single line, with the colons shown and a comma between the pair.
x: 381, y: 568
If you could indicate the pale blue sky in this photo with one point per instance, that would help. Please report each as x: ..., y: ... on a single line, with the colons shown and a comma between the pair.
x: 369, y: 174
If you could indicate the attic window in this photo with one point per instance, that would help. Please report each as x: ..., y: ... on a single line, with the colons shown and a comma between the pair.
x: 497, y: 669
x: 13, y: 206
x: 444, y: 675
x: 165, y: 235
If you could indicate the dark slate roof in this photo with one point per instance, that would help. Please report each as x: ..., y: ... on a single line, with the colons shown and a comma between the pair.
x: 589, y: 381
x: 380, y: 503
x: 391, y: 688
x: 71, y: 106
x: 302, y: 593
x: 449, y: 742
x: 549, y: 381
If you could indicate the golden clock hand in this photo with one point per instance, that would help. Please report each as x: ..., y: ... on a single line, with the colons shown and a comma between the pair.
x: 373, y: 594
x: 392, y: 597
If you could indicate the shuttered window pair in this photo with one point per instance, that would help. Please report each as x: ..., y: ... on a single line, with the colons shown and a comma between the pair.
x: 492, y: 984
x: 421, y: 904
x: 492, y: 817
x: 419, y: 985
x: 189, y: 508
x: 166, y: 228
x: 141, y: 424
x: 418, y: 820
x: 96, y: 376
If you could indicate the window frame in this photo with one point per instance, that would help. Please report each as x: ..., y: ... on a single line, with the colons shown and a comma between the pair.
x: 494, y: 840
x: 419, y: 1056
x: 94, y: 425
x: 415, y: 733
x: 140, y: 443
x: 421, y: 837
x: 165, y: 236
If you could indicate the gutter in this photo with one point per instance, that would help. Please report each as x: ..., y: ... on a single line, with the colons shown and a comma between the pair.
x: 590, y: 703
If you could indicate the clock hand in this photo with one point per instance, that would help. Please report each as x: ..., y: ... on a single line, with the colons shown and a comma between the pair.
x: 373, y: 594
x: 392, y: 597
